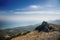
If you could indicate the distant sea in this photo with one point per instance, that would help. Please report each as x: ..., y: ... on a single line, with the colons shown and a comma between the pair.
x: 12, y: 24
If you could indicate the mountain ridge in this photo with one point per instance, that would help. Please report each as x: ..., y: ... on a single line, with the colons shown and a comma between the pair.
x: 41, y: 34
x: 44, y: 28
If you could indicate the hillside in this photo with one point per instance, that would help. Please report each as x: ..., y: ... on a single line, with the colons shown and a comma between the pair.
x: 3, y: 35
x: 39, y: 36
x: 13, y: 32
x: 44, y: 31
x: 55, y: 21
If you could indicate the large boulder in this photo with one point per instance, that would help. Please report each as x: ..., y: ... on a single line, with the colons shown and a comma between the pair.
x: 44, y: 27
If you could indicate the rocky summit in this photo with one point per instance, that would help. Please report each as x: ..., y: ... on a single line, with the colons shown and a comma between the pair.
x: 44, y: 27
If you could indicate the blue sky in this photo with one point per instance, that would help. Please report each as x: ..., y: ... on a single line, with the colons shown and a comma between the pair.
x: 29, y: 11
x: 14, y: 4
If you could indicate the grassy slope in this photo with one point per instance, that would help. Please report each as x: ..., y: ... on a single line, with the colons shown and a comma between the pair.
x: 35, y: 35
x: 39, y: 36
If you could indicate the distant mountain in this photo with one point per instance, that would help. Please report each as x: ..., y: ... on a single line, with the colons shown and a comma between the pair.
x: 55, y: 22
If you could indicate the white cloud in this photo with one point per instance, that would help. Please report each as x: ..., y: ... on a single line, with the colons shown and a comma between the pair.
x: 38, y: 12
x: 35, y: 6
x: 38, y: 7
x: 31, y: 7
x: 29, y: 18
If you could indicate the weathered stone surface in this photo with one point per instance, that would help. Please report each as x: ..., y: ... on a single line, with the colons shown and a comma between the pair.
x: 44, y: 27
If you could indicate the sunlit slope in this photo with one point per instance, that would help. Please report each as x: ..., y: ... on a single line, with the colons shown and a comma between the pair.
x: 39, y: 36
x: 35, y: 35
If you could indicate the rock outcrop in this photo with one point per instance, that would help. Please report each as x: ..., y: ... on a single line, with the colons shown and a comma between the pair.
x: 44, y: 27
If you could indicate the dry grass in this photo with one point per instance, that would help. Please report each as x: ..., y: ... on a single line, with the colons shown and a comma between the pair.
x: 35, y: 35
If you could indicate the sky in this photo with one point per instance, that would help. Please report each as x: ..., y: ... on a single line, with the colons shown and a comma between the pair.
x: 28, y: 12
